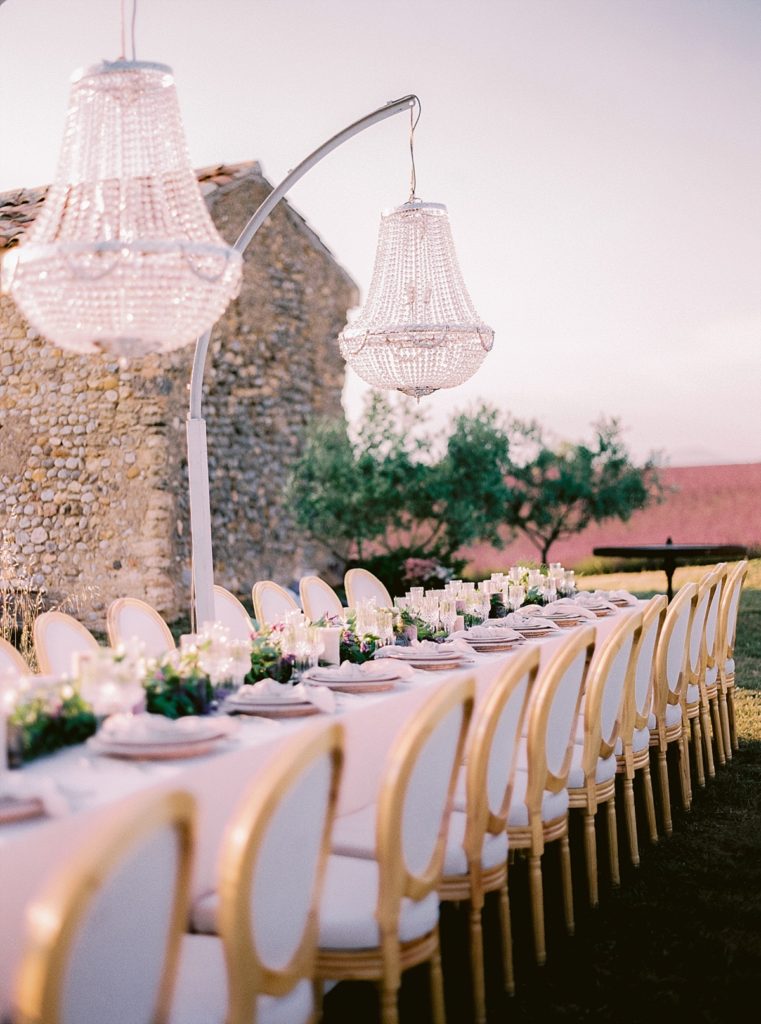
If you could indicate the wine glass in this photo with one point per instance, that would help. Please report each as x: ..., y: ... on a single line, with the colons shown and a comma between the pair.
x: 516, y: 595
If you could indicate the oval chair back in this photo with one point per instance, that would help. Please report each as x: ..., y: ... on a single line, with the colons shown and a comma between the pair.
x: 272, y: 603
x: 272, y: 869
x: 671, y: 653
x: 104, y: 935
x: 712, y: 637
x: 731, y: 607
x: 553, y: 717
x: 637, y: 709
x: 57, y: 638
x: 727, y: 632
x: 130, y: 619
x: 362, y: 585
x: 232, y: 614
x: 11, y: 662
x: 318, y: 599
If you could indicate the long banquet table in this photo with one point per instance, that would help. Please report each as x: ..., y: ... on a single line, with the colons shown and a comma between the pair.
x: 97, y: 787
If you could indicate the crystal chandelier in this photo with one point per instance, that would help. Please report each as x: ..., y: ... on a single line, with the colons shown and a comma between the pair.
x: 418, y: 330
x: 124, y: 257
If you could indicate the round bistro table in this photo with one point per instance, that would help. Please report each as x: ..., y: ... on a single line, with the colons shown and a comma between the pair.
x: 669, y: 554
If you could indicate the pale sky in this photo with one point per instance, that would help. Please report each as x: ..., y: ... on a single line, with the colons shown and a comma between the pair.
x: 600, y: 159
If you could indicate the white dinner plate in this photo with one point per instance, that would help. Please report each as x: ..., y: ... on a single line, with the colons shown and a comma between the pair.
x: 329, y: 677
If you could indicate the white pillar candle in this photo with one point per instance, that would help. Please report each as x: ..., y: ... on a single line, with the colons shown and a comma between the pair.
x: 331, y: 639
x: 7, y: 691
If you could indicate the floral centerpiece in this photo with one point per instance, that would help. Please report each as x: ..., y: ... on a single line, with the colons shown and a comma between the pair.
x: 46, y: 721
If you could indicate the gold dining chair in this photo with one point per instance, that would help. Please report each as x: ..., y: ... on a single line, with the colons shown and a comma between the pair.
x: 362, y: 585
x: 727, y: 630
x: 103, y: 936
x: 666, y: 722
x: 129, y: 618
x: 538, y: 812
x: 318, y: 599
x: 379, y: 914
x: 265, y: 908
x: 592, y: 775
x: 272, y: 603
x: 694, y: 709
x: 232, y: 613
x: 58, y: 637
x: 11, y: 662
x: 633, y: 747
x: 475, y: 861
x: 708, y: 680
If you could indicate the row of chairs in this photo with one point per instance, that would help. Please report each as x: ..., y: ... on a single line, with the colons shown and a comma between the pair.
x: 272, y: 602
x: 537, y: 749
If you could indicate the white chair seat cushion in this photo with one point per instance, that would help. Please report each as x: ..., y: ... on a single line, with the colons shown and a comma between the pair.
x: 201, y: 993
x: 640, y: 740
x: 493, y: 852
x: 673, y: 717
x: 692, y: 694
x: 554, y: 805
x: 349, y: 902
x: 354, y: 834
x: 711, y: 675
x: 729, y: 667
x: 604, y: 772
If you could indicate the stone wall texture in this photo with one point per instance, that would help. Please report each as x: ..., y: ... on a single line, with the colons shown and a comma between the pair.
x: 93, y: 471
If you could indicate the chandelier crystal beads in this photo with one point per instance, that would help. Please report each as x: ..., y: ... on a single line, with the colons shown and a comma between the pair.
x: 124, y: 257
x: 418, y: 330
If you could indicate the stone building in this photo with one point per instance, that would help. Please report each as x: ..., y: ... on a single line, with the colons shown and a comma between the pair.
x: 93, y: 477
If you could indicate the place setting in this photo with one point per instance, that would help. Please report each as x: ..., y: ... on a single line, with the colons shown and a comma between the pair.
x: 154, y: 737
x: 491, y: 639
x: 350, y: 677
x: 271, y: 699
x: 430, y: 656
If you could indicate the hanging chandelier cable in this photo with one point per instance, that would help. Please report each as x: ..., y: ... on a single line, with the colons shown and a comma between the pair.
x: 413, y: 125
x: 123, y: 21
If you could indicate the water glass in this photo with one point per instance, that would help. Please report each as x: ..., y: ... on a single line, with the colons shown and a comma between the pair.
x: 515, y: 596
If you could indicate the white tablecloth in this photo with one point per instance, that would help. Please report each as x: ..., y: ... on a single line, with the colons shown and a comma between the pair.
x: 96, y: 787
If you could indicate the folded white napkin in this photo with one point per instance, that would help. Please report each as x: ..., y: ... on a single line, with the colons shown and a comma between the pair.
x: 567, y: 608
x: 487, y: 633
x: 320, y: 696
x: 148, y: 728
x: 593, y: 601
x: 424, y: 647
x: 350, y: 670
x: 616, y: 595
x: 18, y: 787
x: 530, y: 621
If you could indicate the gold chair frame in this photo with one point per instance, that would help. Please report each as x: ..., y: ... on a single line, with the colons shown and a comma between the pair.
x: 709, y: 691
x: 596, y: 746
x: 534, y: 837
x: 385, y: 963
x: 9, y: 653
x: 248, y: 976
x: 696, y: 712
x: 115, y: 637
x: 481, y: 821
x: 629, y: 762
x: 306, y: 602
x: 661, y: 736
x: 40, y: 644
x: 726, y: 648
x: 357, y: 574
x: 258, y: 591
x: 54, y: 918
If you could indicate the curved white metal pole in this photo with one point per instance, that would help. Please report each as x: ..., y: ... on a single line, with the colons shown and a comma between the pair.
x: 198, y: 468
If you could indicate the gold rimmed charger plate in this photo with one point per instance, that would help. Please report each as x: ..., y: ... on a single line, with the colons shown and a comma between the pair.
x: 489, y: 646
x: 368, y: 685
x: 155, y: 751
x: 439, y: 665
x: 531, y: 634
x: 272, y: 709
x: 13, y: 808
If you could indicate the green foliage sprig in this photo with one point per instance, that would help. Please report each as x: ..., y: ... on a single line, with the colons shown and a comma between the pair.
x: 176, y: 691
x: 44, y: 724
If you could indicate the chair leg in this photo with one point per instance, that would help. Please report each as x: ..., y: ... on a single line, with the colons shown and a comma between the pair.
x: 507, y: 939
x: 317, y: 997
x: 630, y: 814
x: 663, y: 777
x: 697, y: 750
x: 590, y: 854
x: 389, y: 1004
x: 705, y: 726
x: 438, y: 1013
x: 734, y: 741
x: 567, y: 880
x: 684, y: 769
x: 615, y: 873
x: 647, y: 788
x: 724, y: 719
x: 537, y: 906
x: 477, y: 964
x: 718, y: 731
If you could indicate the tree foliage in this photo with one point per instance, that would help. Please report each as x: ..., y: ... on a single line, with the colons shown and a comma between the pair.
x: 391, y: 491
x: 558, y: 491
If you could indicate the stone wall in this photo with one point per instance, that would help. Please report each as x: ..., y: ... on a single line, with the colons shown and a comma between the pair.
x: 93, y: 472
